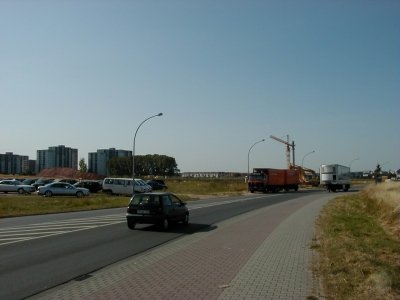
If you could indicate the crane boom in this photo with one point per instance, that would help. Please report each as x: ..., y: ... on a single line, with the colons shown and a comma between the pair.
x: 279, y: 140
x: 288, y: 145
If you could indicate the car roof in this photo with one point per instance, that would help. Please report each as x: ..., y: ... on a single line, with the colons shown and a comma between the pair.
x: 156, y: 193
x: 10, y: 180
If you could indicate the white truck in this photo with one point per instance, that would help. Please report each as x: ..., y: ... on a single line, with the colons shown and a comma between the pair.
x: 335, y: 177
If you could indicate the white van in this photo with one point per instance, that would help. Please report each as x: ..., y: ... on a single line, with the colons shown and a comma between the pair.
x: 120, y: 186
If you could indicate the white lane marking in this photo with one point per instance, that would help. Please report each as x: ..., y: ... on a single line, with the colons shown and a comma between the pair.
x: 40, y: 230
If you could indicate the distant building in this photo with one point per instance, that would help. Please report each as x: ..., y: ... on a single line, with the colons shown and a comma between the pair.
x: 57, y: 157
x: 32, y: 166
x: 14, y: 164
x: 211, y: 174
x: 98, y: 161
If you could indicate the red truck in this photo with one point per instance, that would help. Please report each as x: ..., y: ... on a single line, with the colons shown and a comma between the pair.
x: 273, y: 180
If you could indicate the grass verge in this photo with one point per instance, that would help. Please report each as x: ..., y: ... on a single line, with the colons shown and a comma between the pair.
x: 186, y: 189
x: 212, y: 186
x: 12, y: 206
x: 359, y: 244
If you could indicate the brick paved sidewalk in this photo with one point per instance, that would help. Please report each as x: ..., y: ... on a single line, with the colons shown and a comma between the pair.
x: 263, y: 254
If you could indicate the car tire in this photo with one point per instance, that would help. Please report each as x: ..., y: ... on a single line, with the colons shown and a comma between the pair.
x: 186, y: 220
x: 165, y: 224
x: 79, y: 194
x: 21, y: 191
x: 48, y: 194
x: 131, y: 224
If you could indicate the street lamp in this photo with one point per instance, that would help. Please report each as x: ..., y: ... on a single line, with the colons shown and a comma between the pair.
x: 305, y: 156
x: 248, y: 157
x: 133, y: 152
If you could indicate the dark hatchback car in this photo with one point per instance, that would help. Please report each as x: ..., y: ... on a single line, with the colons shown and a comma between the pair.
x: 156, y: 208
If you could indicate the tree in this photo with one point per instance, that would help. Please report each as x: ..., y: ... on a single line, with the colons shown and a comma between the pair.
x: 82, y: 165
x: 145, y: 165
x: 377, y: 174
x: 378, y: 170
x: 120, y: 166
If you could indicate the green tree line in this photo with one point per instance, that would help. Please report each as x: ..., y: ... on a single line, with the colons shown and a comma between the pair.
x: 145, y: 165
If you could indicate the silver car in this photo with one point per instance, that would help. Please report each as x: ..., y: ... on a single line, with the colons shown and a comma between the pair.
x: 62, y: 189
x: 144, y: 187
x: 15, y: 186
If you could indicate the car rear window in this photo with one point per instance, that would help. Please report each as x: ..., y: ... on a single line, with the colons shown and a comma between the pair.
x: 152, y: 200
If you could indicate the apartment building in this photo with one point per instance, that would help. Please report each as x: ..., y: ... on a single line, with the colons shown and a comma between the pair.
x: 57, y: 157
x: 14, y: 164
x: 97, y: 162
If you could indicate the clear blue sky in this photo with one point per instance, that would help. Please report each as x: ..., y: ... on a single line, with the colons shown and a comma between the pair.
x: 225, y: 74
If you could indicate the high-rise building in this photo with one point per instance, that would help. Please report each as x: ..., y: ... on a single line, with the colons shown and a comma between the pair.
x: 57, y: 157
x: 98, y: 160
x: 14, y: 164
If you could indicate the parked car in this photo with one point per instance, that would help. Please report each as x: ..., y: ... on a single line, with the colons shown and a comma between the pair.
x: 157, y: 185
x: 42, y: 182
x: 29, y: 181
x: 15, y: 186
x: 92, y: 185
x: 121, y: 186
x: 156, y: 208
x: 67, y: 180
x: 146, y: 187
x: 62, y: 189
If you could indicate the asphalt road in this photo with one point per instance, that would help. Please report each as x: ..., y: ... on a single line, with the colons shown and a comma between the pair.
x: 41, y: 252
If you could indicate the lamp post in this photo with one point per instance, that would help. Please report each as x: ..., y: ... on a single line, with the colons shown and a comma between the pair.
x: 133, y: 152
x: 305, y: 156
x: 248, y: 157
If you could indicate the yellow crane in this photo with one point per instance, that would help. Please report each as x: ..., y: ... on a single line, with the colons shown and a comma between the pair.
x: 288, y: 145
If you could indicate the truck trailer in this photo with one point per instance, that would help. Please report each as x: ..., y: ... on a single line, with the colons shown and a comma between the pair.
x: 273, y: 180
x: 335, y: 177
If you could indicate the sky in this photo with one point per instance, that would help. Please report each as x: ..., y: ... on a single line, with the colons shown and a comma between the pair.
x: 224, y: 73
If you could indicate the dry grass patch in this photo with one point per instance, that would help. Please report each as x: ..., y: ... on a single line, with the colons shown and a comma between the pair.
x: 211, y: 186
x: 359, y: 244
x: 388, y: 197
